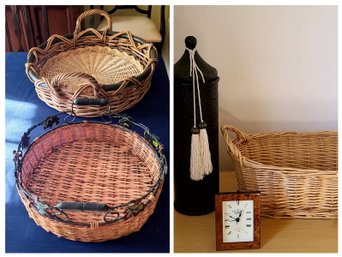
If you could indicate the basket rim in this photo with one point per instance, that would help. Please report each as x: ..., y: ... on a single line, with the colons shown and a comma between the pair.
x: 248, y: 162
x: 41, y: 207
x: 109, y: 87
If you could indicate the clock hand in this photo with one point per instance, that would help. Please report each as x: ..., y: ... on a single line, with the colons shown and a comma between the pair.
x: 233, y: 219
x: 238, y: 218
x: 230, y: 217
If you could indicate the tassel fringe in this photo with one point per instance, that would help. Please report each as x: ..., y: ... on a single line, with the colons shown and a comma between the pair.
x: 206, y: 165
x: 195, y: 158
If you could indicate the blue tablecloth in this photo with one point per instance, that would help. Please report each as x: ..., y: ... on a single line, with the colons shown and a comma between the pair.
x: 24, y: 109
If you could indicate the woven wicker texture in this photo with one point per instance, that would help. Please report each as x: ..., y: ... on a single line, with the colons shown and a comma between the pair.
x: 118, y: 64
x: 90, y: 163
x: 106, y: 65
x: 295, y: 172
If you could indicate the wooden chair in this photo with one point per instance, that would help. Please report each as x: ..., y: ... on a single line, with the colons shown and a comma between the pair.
x: 138, y: 21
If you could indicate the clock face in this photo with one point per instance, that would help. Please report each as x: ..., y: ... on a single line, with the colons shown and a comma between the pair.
x: 238, y: 222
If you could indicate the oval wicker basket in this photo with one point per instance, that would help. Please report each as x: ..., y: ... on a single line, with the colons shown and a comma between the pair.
x: 295, y: 172
x: 90, y: 182
x: 113, y: 69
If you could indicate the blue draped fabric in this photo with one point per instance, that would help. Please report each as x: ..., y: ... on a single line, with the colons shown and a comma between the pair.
x: 24, y: 109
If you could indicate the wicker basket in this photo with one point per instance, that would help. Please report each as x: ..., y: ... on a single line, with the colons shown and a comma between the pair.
x: 90, y: 182
x: 112, y: 69
x: 295, y: 172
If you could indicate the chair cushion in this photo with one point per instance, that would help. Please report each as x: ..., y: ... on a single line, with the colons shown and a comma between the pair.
x: 140, y: 26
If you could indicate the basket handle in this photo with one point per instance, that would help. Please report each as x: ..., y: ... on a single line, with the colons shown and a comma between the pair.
x: 97, y: 100
x: 80, y: 206
x: 240, y: 137
x: 92, y: 12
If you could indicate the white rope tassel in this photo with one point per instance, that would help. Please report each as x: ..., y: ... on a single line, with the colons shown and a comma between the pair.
x: 200, y: 152
x: 195, y: 158
x: 207, y: 166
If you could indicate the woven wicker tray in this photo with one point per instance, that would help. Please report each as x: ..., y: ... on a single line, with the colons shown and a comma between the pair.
x: 90, y: 182
x: 112, y: 69
x: 296, y: 172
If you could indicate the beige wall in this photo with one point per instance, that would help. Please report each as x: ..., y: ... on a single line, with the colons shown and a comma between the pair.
x: 277, y: 64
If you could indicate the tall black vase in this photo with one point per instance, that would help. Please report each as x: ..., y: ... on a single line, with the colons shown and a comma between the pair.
x: 194, y: 197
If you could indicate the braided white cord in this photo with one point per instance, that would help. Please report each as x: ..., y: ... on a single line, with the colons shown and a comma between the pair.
x: 194, y: 70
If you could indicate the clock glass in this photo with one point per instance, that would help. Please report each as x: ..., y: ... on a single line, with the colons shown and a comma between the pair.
x: 238, y: 221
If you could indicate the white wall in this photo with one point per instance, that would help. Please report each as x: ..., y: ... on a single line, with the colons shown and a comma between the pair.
x: 277, y: 64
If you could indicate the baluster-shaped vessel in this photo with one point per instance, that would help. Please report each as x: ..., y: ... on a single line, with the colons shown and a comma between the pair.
x: 194, y: 197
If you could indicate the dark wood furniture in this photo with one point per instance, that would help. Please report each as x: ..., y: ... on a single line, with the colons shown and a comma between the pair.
x: 29, y: 26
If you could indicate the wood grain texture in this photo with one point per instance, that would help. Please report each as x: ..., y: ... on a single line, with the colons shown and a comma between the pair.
x: 255, y: 196
x: 29, y: 26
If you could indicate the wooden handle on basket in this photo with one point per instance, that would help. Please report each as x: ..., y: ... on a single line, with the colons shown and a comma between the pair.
x: 79, y: 206
x: 240, y: 137
x: 90, y: 101
x: 92, y: 12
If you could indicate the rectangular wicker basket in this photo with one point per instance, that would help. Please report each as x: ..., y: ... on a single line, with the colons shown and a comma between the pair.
x: 295, y: 172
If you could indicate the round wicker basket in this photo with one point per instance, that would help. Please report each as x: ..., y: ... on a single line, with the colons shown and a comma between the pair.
x: 90, y: 182
x: 113, y: 69
x: 296, y: 172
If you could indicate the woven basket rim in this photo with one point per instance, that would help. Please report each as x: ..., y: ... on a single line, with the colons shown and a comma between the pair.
x: 248, y: 162
x: 35, y: 77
